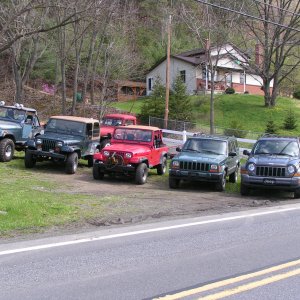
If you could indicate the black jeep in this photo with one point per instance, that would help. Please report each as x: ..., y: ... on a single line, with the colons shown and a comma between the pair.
x: 273, y: 163
x: 66, y: 139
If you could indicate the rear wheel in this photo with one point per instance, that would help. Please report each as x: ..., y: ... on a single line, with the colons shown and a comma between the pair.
x: 72, y: 163
x: 234, y: 176
x: 30, y: 160
x: 162, y: 168
x: 7, y: 148
x: 220, y: 186
x: 90, y: 161
x: 141, y: 174
x: 96, y: 173
x: 174, y: 183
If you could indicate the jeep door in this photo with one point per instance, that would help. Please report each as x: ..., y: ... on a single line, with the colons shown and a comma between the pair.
x: 156, y: 153
x: 232, y: 160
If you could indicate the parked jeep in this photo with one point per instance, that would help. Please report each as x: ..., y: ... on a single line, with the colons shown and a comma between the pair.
x: 206, y: 158
x: 110, y: 122
x: 133, y: 150
x: 273, y: 163
x: 17, y: 124
x: 66, y: 139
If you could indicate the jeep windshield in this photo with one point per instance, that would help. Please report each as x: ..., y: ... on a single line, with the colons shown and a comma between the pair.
x: 111, y: 122
x: 276, y: 147
x: 205, y: 146
x: 11, y: 114
x: 65, y: 126
x: 128, y: 134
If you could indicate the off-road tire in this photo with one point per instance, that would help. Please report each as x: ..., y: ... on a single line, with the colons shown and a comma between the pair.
x: 90, y: 161
x: 245, y: 191
x: 104, y: 143
x: 96, y: 173
x: 7, y: 149
x: 141, y: 174
x: 174, y: 183
x: 72, y: 163
x: 162, y: 168
x: 221, y: 185
x: 233, y: 177
x: 30, y: 160
x: 297, y: 194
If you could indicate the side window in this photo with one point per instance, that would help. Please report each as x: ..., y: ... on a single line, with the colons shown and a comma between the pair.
x: 89, y: 130
x: 96, y: 130
x: 183, y: 76
x: 129, y: 122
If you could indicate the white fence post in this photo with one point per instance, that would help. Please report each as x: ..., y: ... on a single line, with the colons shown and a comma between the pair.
x: 184, y: 136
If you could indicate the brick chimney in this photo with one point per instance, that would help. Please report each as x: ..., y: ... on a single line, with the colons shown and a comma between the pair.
x: 259, y: 54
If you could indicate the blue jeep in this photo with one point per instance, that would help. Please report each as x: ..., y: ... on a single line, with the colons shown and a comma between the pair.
x: 17, y: 124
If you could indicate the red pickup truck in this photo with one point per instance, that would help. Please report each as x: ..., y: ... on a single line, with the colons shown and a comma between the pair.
x: 108, y: 124
x: 133, y: 151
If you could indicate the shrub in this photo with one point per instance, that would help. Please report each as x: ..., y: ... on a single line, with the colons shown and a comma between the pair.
x: 296, y: 93
x: 236, y: 129
x: 290, y: 121
x: 246, y: 92
x: 230, y: 90
x: 271, y: 127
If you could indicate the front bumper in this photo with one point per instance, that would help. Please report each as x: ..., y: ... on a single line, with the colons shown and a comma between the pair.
x: 280, y: 183
x: 117, y: 168
x: 195, y: 175
x: 40, y: 153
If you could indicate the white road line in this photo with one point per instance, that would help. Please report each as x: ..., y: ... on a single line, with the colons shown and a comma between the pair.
x: 119, y: 235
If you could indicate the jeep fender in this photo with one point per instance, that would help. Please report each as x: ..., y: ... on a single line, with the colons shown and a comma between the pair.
x: 6, y: 135
x: 139, y: 160
x: 163, y: 154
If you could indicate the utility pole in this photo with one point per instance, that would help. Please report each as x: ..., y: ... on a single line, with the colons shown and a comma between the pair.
x: 168, y: 72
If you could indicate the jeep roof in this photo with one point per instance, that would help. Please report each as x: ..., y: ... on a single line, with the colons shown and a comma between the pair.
x: 215, y: 137
x: 121, y: 116
x: 75, y: 119
x: 18, y: 106
x: 276, y: 137
x: 143, y: 127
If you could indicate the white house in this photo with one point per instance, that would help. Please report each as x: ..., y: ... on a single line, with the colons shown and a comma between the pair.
x: 193, y: 68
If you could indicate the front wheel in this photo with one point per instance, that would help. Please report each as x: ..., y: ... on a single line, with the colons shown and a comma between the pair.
x: 234, y: 176
x: 96, y: 173
x: 162, y: 168
x: 174, y: 183
x: 297, y: 194
x: 30, y: 160
x: 244, y: 190
x: 72, y: 163
x: 141, y: 174
x: 220, y: 186
x: 7, y: 148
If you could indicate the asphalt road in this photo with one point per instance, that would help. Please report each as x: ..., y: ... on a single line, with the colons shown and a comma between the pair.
x: 249, y: 255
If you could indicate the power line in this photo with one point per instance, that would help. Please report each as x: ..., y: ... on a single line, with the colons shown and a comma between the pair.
x: 247, y: 15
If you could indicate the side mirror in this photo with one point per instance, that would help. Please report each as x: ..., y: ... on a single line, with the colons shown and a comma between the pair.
x: 232, y: 154
x: 246, y: 152
x: 178, y: 149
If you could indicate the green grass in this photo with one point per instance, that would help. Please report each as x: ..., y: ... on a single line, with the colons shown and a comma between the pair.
x: 248, y: 110
x: 29, y: 202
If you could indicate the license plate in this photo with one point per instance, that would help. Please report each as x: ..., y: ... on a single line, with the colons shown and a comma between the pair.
x: 269, y: 181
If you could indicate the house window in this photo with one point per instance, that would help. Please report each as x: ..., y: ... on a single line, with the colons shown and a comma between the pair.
x: 242, y: 78
x: 183, y: 75
x: 228, y: 78
x: 150, y: 85
x: 203, y: 73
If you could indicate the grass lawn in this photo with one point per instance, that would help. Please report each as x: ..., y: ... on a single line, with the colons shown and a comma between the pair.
x: 248, y: 110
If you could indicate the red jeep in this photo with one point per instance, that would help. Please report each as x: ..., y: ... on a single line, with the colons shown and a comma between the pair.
x: 110, y: 122
x: 133, y: 150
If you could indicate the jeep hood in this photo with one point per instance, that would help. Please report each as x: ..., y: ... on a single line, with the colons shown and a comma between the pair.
x: 200, y: 157
x: 133, y: 148
x: 5, y: 125
x: 66, y: 138
x: 277, y: 160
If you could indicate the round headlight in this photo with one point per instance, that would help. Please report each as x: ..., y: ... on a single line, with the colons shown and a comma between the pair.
x: 128, y: 155
x: 291, y: 169
x: 59, y: 144
x: 106, y: 153
x: 175, y: 163
x: 251, y: 167
x: 213, y: 167
x: 39, y: 141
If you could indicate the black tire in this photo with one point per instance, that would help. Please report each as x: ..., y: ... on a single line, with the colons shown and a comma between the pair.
x: 174, y: 183
x: 245, y: 191
x: 72, y: 163
x: 221, y: 185
x: 104, y: 143
x: 97, y: 174
x: 162, y: 168
x: 30, y: 160
x: 234, y: 176
x: 7, y: 149
x: 141, y: 174
x: 297, y: 194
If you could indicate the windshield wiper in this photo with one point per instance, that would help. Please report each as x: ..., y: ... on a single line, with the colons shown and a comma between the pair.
x: 283, y: 154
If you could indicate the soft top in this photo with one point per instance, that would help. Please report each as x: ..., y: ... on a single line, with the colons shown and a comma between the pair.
x: 142, y: 127
x: 121, y: 116
x: 19, y: 108
x: 75, y: 119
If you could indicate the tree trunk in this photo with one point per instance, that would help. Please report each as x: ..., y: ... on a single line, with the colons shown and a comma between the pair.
x: 18, y: 82
x: 212, y: 103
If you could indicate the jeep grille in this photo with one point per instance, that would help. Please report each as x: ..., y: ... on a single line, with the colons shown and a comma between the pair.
x: 270, y: 171
x: 48, y: 144
x: 195, y: 166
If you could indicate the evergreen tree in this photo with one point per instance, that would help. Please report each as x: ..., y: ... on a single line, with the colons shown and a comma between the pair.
x: 290, y: 121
